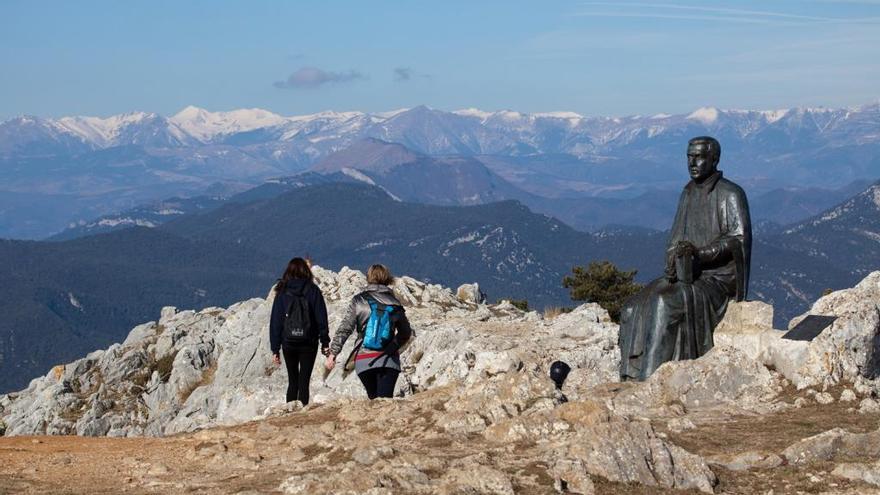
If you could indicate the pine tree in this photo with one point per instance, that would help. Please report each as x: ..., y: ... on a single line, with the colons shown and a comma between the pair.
x: 601, y: 282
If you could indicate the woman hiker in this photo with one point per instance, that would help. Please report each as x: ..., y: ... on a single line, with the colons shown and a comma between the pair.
x: 298, y: 323
x: 382, y: 330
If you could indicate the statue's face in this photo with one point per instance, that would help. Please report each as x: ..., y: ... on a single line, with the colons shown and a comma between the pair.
x: 701, y: 163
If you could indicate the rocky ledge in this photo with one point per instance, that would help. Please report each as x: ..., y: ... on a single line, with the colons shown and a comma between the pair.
x: 192, y: 370
x: 479, y: 414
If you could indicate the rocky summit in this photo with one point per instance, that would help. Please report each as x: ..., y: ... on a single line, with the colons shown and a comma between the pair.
x: 476, y: 411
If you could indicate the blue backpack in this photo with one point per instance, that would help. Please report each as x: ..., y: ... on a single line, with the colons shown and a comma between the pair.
x: 378, y: 332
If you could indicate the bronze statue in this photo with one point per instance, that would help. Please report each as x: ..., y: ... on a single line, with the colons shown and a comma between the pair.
x: 707, y: 264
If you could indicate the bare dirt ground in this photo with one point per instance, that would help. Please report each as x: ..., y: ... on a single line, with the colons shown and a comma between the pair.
x: 258, y: 457
x: 773, y: 433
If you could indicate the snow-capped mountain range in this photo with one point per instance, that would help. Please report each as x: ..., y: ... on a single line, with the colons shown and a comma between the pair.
x: 54, y: 172
x: 468, y: 131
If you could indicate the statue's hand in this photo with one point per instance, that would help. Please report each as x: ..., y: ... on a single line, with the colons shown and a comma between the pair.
x: 710, y: 253
x: 685, y: 249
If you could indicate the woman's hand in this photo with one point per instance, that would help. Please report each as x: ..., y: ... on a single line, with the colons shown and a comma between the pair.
x: 330, y: 362
x: 276, y: 359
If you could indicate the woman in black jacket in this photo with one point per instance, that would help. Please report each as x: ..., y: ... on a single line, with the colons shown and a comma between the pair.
x: 296, y: 294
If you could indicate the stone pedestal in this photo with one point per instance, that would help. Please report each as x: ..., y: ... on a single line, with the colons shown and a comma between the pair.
x: 748, y: 326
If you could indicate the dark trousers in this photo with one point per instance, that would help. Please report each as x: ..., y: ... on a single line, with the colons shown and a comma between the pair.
x: 299, y: 364
x: 379, y: 382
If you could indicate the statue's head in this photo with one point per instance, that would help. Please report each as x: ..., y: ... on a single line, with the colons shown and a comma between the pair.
x: 703, y: 154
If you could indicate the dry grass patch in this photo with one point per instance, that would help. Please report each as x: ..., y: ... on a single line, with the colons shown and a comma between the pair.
x: 206, y: 379
x: 774, y: 432
x: 164, y: 365
x: 554, y: 311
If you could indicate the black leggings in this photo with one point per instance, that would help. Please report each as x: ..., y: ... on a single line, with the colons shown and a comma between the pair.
x: 299, y: 364
x: 379, y: 382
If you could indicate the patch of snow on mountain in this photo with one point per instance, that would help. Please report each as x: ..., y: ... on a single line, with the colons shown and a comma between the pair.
x: 559, y: 115
x: 205, y: 125
x: 509, y: 115
x: 102, y: 131
x: 874, y: 236
x: 391, y: 113
x: 358, y: 175
x: 497, y: 231
x: 655, y: 130
x: 463, y: 239
x: 113, y: 222
x: 74, y: 301
x: 706, y: 115
x: 326, y: 115
x: 86, y: 128
x: 835, y: 213
x: 324, y: 123
x: 473, y: 112
x: 371, y: 245
x: 851, y: 205
x: 794, y: 291
x: 774, y: 115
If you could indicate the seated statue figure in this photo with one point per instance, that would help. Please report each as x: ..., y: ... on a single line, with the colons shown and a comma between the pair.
x: 707, y: 265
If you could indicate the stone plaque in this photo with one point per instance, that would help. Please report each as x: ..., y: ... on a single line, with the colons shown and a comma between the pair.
x: 809, y: 328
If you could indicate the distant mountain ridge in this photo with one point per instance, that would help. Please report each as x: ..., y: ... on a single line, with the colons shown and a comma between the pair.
x: 469, y: 131
x: 368, y: 155
x: 155, y: 214
x: 462, y: 180
x: 111, y: 164
x: 847, y: 236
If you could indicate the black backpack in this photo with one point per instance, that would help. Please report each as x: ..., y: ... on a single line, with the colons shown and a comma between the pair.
x: 297, y: 320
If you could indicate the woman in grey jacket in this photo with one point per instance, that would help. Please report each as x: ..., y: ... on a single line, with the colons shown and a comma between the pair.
x: 377, y: 368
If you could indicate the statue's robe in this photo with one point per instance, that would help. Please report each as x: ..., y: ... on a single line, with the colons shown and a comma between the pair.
x: 669, y: 321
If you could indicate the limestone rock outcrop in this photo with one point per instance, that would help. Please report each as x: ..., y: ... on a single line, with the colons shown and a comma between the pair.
x: 470, y: 293
x: 724, y: 378
x: 850, y: 348
x: 194, y: 369
x: 847, y: 351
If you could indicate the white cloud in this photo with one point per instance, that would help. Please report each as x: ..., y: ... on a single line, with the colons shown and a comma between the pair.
x: 313, y: 77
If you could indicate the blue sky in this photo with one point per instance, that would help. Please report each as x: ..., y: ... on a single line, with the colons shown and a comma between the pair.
x: 595, y: 58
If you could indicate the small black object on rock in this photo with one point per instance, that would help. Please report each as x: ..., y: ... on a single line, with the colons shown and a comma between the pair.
x: 559, y: 372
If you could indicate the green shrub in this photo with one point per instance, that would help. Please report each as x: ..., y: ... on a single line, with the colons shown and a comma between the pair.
x: 520, y: 304
x: 601, y: 282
